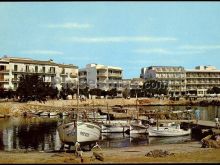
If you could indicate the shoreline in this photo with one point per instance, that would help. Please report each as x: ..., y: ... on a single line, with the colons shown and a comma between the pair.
x: 183, y: 152
x: 11, y: 108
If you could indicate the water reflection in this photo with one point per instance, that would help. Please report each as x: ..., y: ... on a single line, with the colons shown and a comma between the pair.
x: 35, y: 133
x: 41, y: 133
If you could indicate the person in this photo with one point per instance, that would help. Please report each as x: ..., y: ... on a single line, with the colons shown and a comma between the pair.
x: 151, y: 120
x: 78, y: 149
x: 217, y: 122
x: 197, y: 114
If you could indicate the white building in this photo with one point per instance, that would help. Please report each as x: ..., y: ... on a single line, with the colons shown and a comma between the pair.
x: 101, y: 76
x: 202, y: 78
x: 11, y: 68
x: 174, y: 76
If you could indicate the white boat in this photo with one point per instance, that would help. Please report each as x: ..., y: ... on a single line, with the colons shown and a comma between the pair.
x: 114, y: 128
x: 44, y: 114
x: 113, y: 136
x: 53, y: 114
x: 168, y: 131
x: 138, y: 129
x: 82, y: 132
x: 96, y: 116
x: 65, y: 114
x: 79, y: 131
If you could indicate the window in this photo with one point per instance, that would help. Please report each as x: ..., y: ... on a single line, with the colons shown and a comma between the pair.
x: 52, y: 70
x: 15, y: 67
x: 43, y: 69
x: 15, y: 85
x: 15, y: 76
x: 36, y: 69
x: 27, y: 68
x: 52, y: 78
x: 63, y: 71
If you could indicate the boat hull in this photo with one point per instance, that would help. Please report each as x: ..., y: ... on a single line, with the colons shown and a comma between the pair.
x: 167, y: 132
x: 108, y: 128
x: 82, y: 132
x: 138, y: 129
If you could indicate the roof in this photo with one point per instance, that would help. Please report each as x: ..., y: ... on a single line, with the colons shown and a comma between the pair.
x: 31, y: 61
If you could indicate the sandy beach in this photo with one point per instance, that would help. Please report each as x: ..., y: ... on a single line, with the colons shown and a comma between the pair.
x: 189, y: 152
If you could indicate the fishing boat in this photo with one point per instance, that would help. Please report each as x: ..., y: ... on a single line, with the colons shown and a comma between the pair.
x: 45, y: 114
x: 136, y: 126
x: 138, y: 129
x: 168, y: 131
x: 96, y: 116
x: 78, y: 130
x: 53, y: 114
x: 114, y: 128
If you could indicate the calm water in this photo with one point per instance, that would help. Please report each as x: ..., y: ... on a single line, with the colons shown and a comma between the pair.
x: 41, y: 134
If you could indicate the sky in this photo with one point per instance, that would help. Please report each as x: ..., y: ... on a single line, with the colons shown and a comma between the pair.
x: 130, y: 35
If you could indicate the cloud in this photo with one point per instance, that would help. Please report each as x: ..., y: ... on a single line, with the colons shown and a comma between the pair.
x: 118, y: 39
x: 42, y: 52
x: 153, y: 50
x: 70, y: 25
x: 199, y: 47
x: 160, y: 51
x: 82, y: 58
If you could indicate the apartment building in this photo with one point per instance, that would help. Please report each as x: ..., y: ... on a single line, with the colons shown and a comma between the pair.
x: 202, y: 78
x: 101, y: 76
x: 11, y: 68
x: 173, y: 76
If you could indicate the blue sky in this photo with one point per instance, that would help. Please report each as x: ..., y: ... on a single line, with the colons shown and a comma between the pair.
x: 130, y: 35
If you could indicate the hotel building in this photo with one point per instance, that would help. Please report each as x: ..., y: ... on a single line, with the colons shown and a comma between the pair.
x: 101, y: 76
x: 174, y: 76
x: 11, y: 68
x: 202, y: 78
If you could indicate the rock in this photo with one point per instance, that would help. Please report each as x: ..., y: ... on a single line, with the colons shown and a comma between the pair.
x: 158, y: 153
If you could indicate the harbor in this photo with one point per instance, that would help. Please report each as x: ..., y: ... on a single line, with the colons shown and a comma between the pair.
x: 16, y: 129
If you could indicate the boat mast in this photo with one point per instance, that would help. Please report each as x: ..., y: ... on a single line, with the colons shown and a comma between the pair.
x: 157, y: 121
x: 77, y: 99
x: 137, y: 110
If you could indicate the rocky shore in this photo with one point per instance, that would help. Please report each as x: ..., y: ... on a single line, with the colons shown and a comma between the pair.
x: 11, y: 108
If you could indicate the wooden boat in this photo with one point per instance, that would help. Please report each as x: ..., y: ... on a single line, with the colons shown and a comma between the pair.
x: 168, y: 131
x: 114, y: 128
x: 138, y: 129
x: 45, y: 114
x: 79, y: 131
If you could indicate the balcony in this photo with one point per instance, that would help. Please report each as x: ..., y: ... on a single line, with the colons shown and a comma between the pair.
x: 4, y: 71
x: 103, y: 74
x: 19, y: 71
x: 114, y: 75
x: 4, y: 80
x: 50, y: 72
x: 63, y: 74
x: 101, y: 81
x: 15, y: 79
x: 73, y: 75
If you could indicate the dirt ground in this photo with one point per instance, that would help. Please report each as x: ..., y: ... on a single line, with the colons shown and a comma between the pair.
x: 190, y: 152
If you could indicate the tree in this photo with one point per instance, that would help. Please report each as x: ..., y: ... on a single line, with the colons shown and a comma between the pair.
x: 95, y: 91
x: 32, y: 85
x: 112, y: 92
x: 84, y: 91
x: 52, y: 92
x: 126, y: 93
x: 214, y: 90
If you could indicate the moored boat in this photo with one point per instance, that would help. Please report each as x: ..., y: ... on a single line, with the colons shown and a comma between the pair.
x: 168, y: 131
x: 79, y: 131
